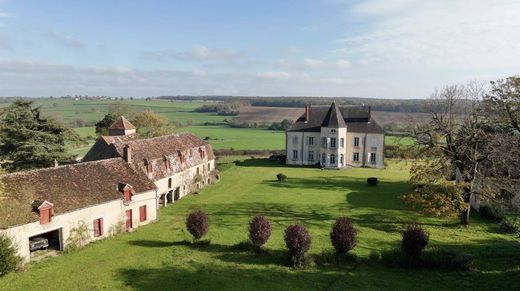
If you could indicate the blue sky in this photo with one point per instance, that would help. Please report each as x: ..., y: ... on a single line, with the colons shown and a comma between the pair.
x: 371, y: 48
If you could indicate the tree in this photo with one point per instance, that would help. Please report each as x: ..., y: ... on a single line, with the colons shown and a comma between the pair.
x: 9, y: 259
x: 459, y: 148
x: 103, y: 125
x: 150, y: 124
x: 502, y: 103
x: 118, y: 108
x: 29, y: 140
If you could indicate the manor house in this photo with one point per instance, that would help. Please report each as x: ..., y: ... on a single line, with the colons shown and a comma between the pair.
x: 335, y: 137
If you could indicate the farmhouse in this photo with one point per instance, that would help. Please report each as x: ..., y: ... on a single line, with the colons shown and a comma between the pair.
x: 335, y: 137
x: 178, y: 164
x: 119, y: 185
x: 49, y: 208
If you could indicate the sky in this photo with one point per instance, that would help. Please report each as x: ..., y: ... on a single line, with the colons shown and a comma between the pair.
x: 357, y: 48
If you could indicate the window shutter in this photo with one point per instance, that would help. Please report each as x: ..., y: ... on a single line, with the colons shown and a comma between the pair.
x: 96, y: 227
x: 101, y: 227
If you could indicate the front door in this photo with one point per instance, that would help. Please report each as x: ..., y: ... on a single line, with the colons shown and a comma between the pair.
x: 128, y: 220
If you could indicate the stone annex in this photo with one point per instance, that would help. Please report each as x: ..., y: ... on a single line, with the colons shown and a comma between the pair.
x: 336, y: 137
x: 118, y: 186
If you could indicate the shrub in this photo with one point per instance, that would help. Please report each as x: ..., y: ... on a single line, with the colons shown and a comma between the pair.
x: 197, y: 224
x: 259, y: 231
x: 343, y: 235
x: 298, y: 241
x: 281, y: 177
x: 372, y: 181
x: 491, y: 212
x: 79, y: 237
x: 373, y: 256
x: 432, y: 259
x: 9, y: 259
x: 414, y: 240
x: 510, y: 225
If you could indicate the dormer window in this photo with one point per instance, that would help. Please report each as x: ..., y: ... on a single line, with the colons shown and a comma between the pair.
x: 201, y: 153
x: 181, y: 157
x: 167, y: 163
x: 149, y: 167
x: 44, y: 210
x: 127, y: 190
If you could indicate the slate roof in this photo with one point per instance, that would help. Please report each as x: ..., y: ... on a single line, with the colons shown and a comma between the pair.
x: 155, y: 151
x: 68, y: 187
x: 354, y: 118
x: 122, y: 123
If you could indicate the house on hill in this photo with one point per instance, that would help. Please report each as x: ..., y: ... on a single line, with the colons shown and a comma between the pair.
x: 47, y: 208
x: 178, y: 164
x: 335, y: 137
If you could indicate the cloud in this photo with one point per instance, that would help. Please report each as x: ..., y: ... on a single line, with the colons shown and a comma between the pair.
x: 5, y: 42
x: 196, y: 53
x: 447, y: 34
x: 274, y: 75
x: 65, y: 40
x: 343, y: 64
x: 313, y: 63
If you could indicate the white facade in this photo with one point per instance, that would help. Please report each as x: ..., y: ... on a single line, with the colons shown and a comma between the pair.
x: 113, y: 215
x: 335, y: 148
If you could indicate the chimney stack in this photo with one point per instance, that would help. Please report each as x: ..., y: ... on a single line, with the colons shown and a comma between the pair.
x: 307, y: 109
x: 127, y: 154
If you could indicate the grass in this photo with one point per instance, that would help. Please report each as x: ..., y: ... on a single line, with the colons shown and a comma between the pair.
x: 157, y: 257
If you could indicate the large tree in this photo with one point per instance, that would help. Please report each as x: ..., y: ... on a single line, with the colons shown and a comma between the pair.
x: 502, y: 103
x: 150, y: 124
x: 30, y: 140
x: 454, y: 145
x: 103, y: 125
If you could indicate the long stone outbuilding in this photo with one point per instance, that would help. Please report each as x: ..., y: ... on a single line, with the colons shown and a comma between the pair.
x: 119, y: 185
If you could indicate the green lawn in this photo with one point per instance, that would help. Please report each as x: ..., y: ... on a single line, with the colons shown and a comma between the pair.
x: 155, y: 256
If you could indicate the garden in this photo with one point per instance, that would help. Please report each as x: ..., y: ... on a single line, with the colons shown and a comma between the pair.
x: 257, y: 227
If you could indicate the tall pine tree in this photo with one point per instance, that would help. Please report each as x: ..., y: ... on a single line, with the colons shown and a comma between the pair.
x: 29, y: 140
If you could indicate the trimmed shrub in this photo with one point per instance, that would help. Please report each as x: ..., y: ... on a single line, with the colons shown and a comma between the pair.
x: 281, y: 177
x: 9, y: 259
x: 414, y: 240
x: 197, y: 224
x: 372, y: 181
x: 491, y: 212
x: 298, y: 241
x: 510, y: 225
x: 343, y: 235
x: 259, y: 231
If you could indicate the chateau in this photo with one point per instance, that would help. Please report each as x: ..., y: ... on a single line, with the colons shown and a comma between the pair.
x: 335, y: 137
x: 118, y: 186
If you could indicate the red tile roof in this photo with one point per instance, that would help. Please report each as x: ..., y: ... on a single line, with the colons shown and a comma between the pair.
x: 122, y: 123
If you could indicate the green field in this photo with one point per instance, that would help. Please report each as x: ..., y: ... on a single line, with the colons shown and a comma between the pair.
x: 155, y: 257
x: 225, y: 137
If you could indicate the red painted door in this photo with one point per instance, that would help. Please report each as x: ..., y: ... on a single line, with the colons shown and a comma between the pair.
x: 128, y: 219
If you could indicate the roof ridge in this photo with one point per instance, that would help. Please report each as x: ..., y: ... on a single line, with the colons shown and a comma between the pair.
x: 61, y: 166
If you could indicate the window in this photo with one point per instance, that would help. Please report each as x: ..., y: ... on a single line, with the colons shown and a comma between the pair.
x: 332, y: 142
x: 142, y: 213
x: 294, y: 154
x: 98, y: 227
x: 323, y: 158
x: 333, y: 130
x: 295, y: 140
x: 202, y: 153
x: 169, y: 182
x: 324, y: 142
x: 341, y: 142
x: 181, y: 157
x: 310, y: 140
x: 198, y: 171
x: 356, y: 141
x: 372, y: 158
x: 209, y: 167
x: 374, y: 141
x: 355, y: 157
x: 332, y: 159
x: 311, y: 156
x: 341, y: 159
x: 167, y: 163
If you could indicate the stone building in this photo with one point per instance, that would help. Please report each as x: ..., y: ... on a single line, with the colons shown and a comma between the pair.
x: 178, y: 164
x: 335, y: 137
x: 92, y: 199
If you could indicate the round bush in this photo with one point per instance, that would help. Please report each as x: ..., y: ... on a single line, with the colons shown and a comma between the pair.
x: 259, y: 231
x: 197, y: 224
x: 372, y: 181
x: 414, y: 240
x: 8, y: 258
x: 281, y: 177
x: 343, y: 235
x: 490, y: 212
x: 298, y: 241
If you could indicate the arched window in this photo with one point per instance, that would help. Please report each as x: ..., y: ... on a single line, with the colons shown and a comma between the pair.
x: 332, y: 159
x: 341, y: 159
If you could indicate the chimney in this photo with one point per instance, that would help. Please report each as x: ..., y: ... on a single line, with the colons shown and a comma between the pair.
x: 307, y: 113
x: 127, y: 154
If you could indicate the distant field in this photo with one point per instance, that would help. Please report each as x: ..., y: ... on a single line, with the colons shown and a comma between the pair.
x: 268, y: 115
x: 68, y: 110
